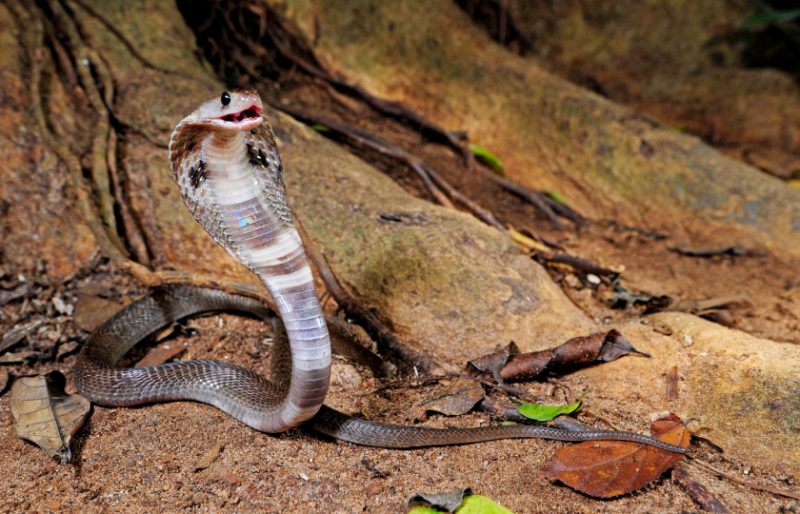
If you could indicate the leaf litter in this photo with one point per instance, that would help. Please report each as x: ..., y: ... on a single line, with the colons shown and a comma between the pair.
x: 605, y: 469
x: 458, y: 501
x: 508, y: 364
x: 459, y: 398
x: 45, y: 415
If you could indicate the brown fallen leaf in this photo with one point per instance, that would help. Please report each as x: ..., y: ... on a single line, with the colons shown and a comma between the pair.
x: 578, y: 351
x: 459, y: 398
x: 209, y: 457
x: 161, y: 354
x: 45, y: 415
x: 605, y: 469
x: 492, y: 363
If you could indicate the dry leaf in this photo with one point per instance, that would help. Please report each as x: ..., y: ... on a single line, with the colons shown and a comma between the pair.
x: 507, y: 364
x: 459, y: 399
x: 494, y: 362
x: 45, y: 415
x: 209, y: 457
x: 17, y: 334
x: 448, y: 501
x: 605, y: 469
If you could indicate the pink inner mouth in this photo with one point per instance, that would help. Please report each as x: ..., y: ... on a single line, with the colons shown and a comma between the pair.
x: 250, y: 113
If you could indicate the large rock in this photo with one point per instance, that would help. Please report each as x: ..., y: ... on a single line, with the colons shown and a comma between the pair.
x: 672, y: 64
x: 607, y: 160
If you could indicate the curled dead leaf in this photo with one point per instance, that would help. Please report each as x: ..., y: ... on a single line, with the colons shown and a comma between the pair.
x: 448, y: 501
x: 45, y: 415
x: 605, y: 469
x: 507, y: 364
x: 459, y: 398
x: 493, y: 363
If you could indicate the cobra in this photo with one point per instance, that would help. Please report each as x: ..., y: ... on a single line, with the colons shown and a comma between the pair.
x: 225, y: 161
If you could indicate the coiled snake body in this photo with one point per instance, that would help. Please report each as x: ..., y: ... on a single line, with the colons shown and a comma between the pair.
x: 225, y: 161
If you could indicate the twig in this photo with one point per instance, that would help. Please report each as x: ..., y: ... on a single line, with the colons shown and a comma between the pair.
x: 698, y: 492
x: 506, y: 388
x: 534, y: 198
x: 758, y: 487
x: 155, y: 279
x: 564, y: 211
x: 360, y: 137
x: 430, y: 177
x: 576, y: 262
x: 733, y: 251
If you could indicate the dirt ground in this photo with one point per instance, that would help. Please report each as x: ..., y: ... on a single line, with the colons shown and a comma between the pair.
x: 146, y: 459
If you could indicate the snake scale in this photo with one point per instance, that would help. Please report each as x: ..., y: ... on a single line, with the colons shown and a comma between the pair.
x: 225, y: 161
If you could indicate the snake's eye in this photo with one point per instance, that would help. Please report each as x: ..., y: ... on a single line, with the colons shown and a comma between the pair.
x: 225, y: 98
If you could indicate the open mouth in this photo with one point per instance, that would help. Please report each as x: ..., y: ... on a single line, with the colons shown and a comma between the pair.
x: 251, y: 113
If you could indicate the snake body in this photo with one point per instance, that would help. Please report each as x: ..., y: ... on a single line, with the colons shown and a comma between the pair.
x: 225, y: 161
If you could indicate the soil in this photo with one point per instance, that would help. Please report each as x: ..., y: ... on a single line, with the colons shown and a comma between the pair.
x: 154, y: 450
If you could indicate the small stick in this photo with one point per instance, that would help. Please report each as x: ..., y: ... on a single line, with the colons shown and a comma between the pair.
x: 361, y: 137
x: 532, y: 197
x: 576, y: 262
x: 429, y: 176
x: 766, y: 488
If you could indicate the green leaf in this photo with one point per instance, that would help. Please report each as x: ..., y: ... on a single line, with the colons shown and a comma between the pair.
x: 557, y: 197
x: 477, y: 504
x: 771, y: 16
x: 488, y: 158
x: 546, y: 412
x: 319, y: 127
x: 423, y: 510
